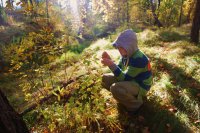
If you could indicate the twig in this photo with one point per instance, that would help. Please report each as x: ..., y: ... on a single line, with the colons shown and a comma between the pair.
x: 33, y: 106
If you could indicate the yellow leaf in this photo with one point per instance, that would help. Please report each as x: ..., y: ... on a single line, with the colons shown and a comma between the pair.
x: 58, y: 97
x: 55, y: 93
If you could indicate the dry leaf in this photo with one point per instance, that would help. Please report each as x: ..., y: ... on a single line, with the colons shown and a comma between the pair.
x: 108, y: 112
x: 197, y: 121
x: 146, y: 130
x: 169, y: 128
x: 161, y: 65
x: 45, y: 131
x: 32, y: 129
x: 141, y: 118
x: 168, y: 125
x: 171, y: 109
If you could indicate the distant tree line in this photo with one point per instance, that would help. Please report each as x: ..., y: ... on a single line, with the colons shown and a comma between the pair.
x: 106, y: 15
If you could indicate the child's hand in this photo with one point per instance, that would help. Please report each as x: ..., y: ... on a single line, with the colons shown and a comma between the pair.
x: 107, y: 62
x: 105, y: 55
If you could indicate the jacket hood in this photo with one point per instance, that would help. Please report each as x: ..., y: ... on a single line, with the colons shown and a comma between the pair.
x: 127, y: 40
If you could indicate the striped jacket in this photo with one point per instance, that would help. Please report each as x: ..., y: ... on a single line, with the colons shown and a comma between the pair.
x: 136, y: 68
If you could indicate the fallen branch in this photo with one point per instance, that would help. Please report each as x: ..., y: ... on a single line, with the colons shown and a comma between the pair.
x: 33, y: 106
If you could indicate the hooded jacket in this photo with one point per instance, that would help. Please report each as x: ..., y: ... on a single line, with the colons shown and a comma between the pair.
x: 136, y: 66
x: 128, y: 41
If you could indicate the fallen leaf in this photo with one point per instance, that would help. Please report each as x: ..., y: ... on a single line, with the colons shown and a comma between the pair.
x: 107, y: 104
x: 108, y: 112
x: 171, y: 109
x: 173, y: 81
x: 83, y: 127
x: 169, y: 128
x: 33, y: 128
x: 197, y: 121
x: 146, y: 130
x: 168, y: 125
x: 45, y: 131
x: 132, y: 125
x: 140, y: 118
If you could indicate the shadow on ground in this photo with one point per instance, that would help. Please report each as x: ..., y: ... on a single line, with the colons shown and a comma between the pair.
x: 154, y: 117
x: 171, y: 36
x: 179, y: 77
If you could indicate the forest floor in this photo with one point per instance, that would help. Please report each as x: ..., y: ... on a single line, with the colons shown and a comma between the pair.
x: 173, y: 103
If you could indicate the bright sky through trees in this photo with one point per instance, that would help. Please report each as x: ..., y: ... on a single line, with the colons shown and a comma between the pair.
x: 14, y: 3
x: 73, y: 4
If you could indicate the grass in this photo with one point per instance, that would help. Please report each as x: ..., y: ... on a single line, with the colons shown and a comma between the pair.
x: 172, y: 104
x: 175, y: 68
x: 9, y: 85
x: 180, y: 71
x: 11, y: 34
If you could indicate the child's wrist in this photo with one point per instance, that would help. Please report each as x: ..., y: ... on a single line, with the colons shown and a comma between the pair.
x: 113, y: 67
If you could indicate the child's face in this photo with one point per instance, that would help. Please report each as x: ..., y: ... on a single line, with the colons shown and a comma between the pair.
x: 122, y: 51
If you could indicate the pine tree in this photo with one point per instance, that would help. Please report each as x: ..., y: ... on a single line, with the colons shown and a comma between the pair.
x: 196, y: 24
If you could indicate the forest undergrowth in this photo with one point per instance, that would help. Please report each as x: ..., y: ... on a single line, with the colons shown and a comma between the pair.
x: 80, y: 104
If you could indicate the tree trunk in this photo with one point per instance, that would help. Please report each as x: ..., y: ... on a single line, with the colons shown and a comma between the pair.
x: 11, y: 3
x: 36, y: 2
x: 2, y: 61
x: 31, y: 3
x: 169, y: 18
x: 154, y: 14
x: 84, y: 10
x: 118, y: 14
x: 196, y: 24
x: 10, y: 120
x: 2, y: 3
x: 2, y: 20
x: 180, y: 17
x: 47, y: 11
x: 158, y: 3
x: 127, y: 13
x: 189, y: 12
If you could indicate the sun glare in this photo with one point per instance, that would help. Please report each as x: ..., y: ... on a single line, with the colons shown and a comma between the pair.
x: 14, y: 3
x: 73, y: 4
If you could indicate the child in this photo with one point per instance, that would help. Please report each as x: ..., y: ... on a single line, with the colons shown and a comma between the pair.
x: 132, y: 76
